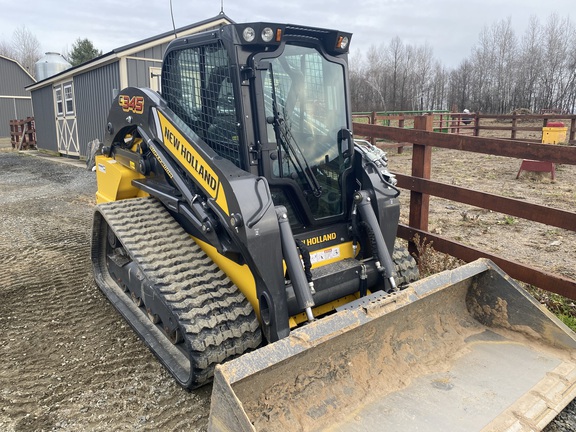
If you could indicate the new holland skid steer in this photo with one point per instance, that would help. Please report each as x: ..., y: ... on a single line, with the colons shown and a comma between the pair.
x: 239, y: 222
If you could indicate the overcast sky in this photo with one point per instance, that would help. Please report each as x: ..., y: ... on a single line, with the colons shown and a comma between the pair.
x: 450, y: 27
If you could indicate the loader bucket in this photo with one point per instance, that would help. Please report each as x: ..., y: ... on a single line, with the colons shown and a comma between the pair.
x: 463, y: 350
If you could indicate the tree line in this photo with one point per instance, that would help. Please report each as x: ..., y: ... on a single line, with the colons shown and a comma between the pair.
x: 503, y: 72
x: 25, y: 48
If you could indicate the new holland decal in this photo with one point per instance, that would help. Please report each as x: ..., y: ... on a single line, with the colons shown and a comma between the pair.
x: 320, y: 239
x: 193, y: 162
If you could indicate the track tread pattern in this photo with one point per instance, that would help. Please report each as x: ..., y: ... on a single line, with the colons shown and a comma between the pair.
x: 218, y: 322
x: 405, y: 265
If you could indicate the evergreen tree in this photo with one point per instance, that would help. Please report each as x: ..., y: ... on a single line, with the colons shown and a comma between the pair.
x: 82, y: 51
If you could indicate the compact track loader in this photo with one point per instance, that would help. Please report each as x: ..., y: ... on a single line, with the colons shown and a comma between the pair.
x: 239, y: 221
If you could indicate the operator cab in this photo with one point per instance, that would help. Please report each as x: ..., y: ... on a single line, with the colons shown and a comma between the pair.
x: 272, y: 99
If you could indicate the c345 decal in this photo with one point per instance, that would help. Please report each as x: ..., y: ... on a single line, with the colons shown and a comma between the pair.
x: 133, y: 104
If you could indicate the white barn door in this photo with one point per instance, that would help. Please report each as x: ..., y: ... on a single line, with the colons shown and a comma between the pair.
x: 66, y: 126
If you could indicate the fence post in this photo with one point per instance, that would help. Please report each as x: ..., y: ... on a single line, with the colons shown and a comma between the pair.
x: 401, y: 122
x: 514, y: 123
x: 373, y: 121
x: 476, y: 125
x: 421, y: 167
x: 572, y: 130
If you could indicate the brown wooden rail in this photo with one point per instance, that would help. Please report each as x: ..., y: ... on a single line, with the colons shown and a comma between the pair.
x: 568, y: 120
x: 421, y: 188
x: 475, y: 123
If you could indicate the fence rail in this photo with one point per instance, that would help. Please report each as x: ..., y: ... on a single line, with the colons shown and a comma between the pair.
x: 423, y: 139
x: 23, y: 134
x: 473, y: 123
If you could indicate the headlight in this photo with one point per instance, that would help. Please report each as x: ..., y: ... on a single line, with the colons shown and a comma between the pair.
x: 267, y: 34
x: 248, y: 34
x: 343, y: 42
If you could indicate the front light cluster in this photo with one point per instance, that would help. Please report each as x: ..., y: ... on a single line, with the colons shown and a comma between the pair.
x: 261, y: 34
x: 267, y: 34
x: 343, y: 42
x: 249, y: 34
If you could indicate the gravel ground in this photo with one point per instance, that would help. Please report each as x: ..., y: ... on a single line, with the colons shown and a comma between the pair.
x: 69, y: 362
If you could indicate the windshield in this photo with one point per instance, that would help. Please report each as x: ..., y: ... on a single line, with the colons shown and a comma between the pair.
x: 305, y: 106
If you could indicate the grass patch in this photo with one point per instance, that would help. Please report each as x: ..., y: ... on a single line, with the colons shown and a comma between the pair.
x: 569, y: 320
x: 564, y: 308
x: 430, y: 261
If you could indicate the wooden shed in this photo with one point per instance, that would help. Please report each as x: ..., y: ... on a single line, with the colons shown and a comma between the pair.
x: 71, y: 107
x: 15, y: 100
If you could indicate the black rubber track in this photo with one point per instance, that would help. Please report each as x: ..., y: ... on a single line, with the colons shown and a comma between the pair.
x: 405, y: 266
x: 214, y: 317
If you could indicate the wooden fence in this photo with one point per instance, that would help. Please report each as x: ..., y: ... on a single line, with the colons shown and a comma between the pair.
x: 474, y: 123
x: 421, y: 188
x: 515, y: 124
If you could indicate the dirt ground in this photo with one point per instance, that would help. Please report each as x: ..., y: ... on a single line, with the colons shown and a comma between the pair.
x: 69, y: 361
x: 546, y: 247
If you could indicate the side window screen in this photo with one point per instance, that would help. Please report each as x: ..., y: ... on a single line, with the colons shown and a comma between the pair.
x: 197, y: 84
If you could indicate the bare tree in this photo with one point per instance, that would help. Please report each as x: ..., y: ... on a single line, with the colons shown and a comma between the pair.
x: 423, y: 76
x: 27, y: 48
x: 570, y: 87
x: 396, y: 52
x: 6, y: 50
x: 503, y: 72
x: 556, y: 48
x: 376, y: 79
x: 24, y: 48
x: 460, y: 87
x: 439, y: 86
x: 529, y: 71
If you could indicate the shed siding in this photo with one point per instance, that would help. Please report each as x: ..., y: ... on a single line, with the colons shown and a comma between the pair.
x: 6, y: 114
x: 24, y: 108
x: 94, y: 91
x: 156, y: 52
x: 14, y: 79
x: 45, y: 118
x: 13, y: 109
x: 139, y: 72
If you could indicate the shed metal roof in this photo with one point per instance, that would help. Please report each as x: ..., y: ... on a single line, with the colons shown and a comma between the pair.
x: 18, y: 64
x: 132, y: 48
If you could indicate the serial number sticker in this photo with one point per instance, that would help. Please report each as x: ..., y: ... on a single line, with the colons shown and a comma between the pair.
x: 101, y: 168
x: 324, y: 255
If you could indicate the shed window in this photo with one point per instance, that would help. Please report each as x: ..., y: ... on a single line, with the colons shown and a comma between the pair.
x: 59, y: 104
x: 69, y: 99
